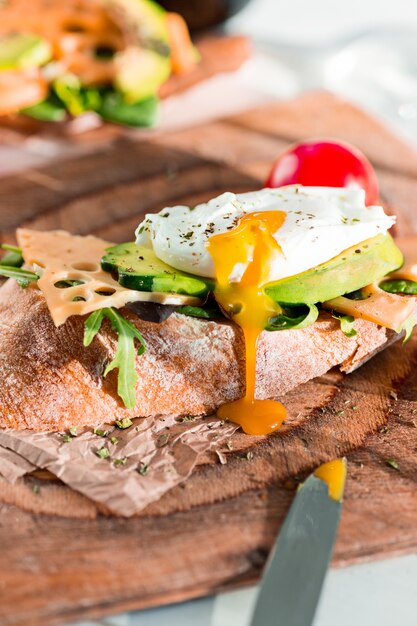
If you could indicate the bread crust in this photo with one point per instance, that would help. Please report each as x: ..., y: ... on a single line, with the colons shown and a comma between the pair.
x: 50, y: 381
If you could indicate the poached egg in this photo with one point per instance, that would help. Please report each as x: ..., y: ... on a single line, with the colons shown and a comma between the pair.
x: 320, y: 222
x: 248, y: 240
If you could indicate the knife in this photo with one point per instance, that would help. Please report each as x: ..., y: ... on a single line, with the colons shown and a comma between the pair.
x: 296, y: 568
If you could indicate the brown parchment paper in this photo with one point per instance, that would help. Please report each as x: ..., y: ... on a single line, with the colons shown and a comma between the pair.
x: 13, y: 466
x: 150, y: 457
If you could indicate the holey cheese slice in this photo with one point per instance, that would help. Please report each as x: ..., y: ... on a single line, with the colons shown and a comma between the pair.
x: 59, y: 256
x: 382, y: 308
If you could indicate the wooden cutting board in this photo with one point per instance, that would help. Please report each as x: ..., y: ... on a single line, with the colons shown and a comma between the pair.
x: 61, y: 559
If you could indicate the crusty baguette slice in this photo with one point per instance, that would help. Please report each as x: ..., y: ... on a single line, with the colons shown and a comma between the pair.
x: 50, y: 381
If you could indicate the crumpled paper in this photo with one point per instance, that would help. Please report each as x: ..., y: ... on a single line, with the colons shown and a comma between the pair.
x: 149, y: 458
x: 13, y: 466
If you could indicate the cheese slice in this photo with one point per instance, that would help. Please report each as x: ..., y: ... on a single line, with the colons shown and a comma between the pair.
x: 59, y: 256
x: 386, y: 309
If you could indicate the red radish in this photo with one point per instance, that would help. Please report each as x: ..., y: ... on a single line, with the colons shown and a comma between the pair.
x: 327, y: 163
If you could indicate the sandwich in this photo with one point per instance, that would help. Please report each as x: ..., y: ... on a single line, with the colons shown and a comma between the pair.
x: 116, y: 58
x: 223, y: 308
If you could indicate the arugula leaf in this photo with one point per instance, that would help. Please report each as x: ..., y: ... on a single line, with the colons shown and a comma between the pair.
x: 408, y: 287
x: 92, y: 326
x: 50, y: 110
x: 65, y: 284
x: 346, y: 324
x: 198, y: 311
x: 13, y: 256
x: 114, y: 108
x: 294, y: 317
x: 10, y: 248
x: 125, y: 357
x: 22, y: 276
x: 356, y: 295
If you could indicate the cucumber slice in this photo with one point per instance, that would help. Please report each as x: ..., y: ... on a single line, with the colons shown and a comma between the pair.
x: 137, y: 267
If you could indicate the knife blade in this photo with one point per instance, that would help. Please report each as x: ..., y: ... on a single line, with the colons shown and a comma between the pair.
x: 296, y: 568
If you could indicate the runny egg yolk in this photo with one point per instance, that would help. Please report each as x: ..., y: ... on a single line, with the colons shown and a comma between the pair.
x: 333, y: 474
x: 248, y: 251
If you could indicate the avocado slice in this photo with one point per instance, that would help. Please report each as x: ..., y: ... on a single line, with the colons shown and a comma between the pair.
x: 23, y: 50
x: 141, y: 72
x: 137, y: 267
x: 354, y: 268
x: 144, y: 67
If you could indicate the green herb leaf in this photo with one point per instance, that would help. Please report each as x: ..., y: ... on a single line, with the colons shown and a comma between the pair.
x: 125, y: 357
x: 143, y: 468
x: 346, y: 324
x: 294, y: 317
x: 186, y: 418
x: 72, y: 431
x: 114, y: 440
x: 65, y: 284
x: 114, y: 108
x: 103, y: 453
x: 66, y: 438
x: 10, y: 248
x: 356, y: 295
x: 198, y: 311
x: 118, y: 462
x: 13, y: 256
x: 392, y: 463
x: 22, y: 276
x: 126, y: 422
x: 50, y: 110
x: 100, y: 433
x: 408, y: 287
x: 163, y: 440
x: 92, y: 326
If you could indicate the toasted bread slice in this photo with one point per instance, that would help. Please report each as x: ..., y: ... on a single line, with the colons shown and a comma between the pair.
x: 50, y: 381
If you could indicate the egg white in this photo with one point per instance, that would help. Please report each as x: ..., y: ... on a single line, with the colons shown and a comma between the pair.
x: 320, y: 223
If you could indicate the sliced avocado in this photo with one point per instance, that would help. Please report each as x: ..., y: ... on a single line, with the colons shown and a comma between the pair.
x: 141, y: 72
x: 23, y: 50
x: 137, y: 267
x: 354, y: 268
x: 143, y: 67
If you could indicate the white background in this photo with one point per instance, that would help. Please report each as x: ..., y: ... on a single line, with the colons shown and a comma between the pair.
x: 321, y: 21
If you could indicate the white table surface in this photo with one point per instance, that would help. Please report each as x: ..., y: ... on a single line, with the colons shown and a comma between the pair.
x: 382, y: 593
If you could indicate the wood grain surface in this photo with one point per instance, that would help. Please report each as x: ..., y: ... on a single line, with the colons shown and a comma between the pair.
x: 62, y: 559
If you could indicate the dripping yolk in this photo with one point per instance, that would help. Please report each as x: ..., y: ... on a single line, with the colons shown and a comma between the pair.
x: 243, y: 257
x: 334, y: 475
